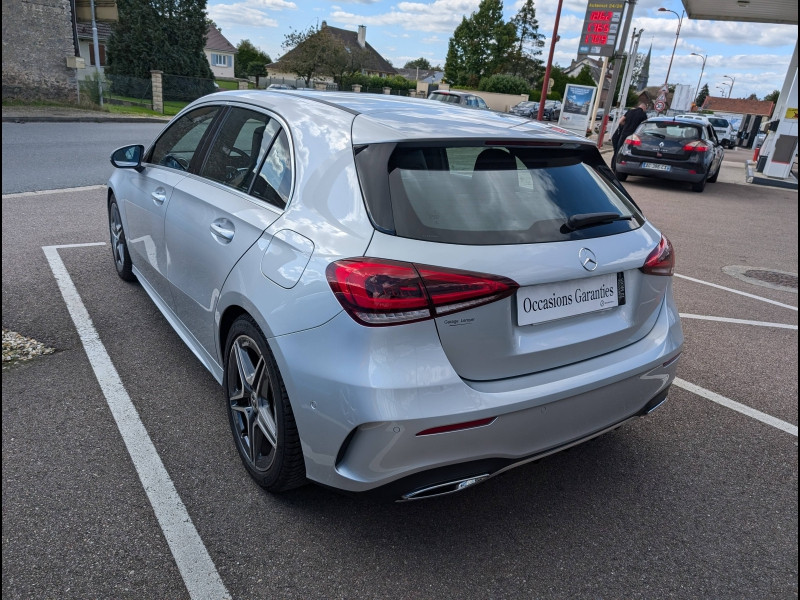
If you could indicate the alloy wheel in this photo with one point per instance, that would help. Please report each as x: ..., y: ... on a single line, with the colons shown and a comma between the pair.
x: 252, y: 402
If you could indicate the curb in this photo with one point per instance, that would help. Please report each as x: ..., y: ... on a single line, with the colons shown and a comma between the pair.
x: 82, y: 119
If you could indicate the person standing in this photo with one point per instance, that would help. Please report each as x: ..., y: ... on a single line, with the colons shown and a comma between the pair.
x: 627, y: 125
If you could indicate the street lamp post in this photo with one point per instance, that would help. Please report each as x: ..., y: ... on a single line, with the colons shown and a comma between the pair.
x: 733, y: 80
x: 677, y: 33
x: 723, y: 90
x: 699, y: 81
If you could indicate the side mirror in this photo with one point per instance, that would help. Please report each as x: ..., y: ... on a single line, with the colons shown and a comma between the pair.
x: 128, y: 157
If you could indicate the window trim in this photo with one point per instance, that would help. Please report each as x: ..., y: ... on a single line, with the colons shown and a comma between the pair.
x: 227, y: 60
x: 211, y: 133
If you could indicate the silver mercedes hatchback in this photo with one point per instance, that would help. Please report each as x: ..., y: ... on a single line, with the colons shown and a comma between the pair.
x: 398, y: 297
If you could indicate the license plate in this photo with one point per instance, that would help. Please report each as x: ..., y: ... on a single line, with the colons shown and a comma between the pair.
x: 655, y: 166
x: 551, y: 301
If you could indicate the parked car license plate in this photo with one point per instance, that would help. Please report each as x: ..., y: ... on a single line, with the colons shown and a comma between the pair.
x: 655, y: 166
x: 551, y: 301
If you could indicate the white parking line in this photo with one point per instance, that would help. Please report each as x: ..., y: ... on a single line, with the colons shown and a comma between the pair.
x: 194, y: 563
x: 727, y: 289
x: 737, y: 321
x: 733, y: 405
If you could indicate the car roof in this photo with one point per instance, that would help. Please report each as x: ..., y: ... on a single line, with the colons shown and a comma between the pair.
x: 384, y: 118
x: 452, y: 93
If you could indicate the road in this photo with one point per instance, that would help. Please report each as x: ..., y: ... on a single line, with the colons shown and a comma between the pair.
x: 698, y: 500
x: 46, y: 156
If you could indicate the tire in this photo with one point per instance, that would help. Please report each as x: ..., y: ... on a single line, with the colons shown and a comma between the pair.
x: 259, y: 412
x: 622, y: 176
x: 713, y: 178
x: 700, y: 185
x: 119, y: 245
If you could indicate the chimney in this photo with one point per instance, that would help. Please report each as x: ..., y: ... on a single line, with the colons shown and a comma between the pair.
x: 362, y: 35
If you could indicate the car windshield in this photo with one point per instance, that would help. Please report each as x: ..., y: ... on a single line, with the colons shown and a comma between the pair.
x: 474, y: 194
x: 717, y: 122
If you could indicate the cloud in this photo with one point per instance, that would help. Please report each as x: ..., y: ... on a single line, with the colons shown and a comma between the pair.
x: 240, y: 14
x: 439, y: 16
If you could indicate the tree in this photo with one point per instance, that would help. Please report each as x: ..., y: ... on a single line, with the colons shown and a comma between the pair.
x: 504, y: 84
x: 163, y: 35
x: 307, y: 50
x: 418, y: 63
x: 247, y: 54
x: 752, y: 97
x: 701, y: 97
x: 523, y: 60
x: 480, y: 45
x: 773, y: 96
x: 584, y: 77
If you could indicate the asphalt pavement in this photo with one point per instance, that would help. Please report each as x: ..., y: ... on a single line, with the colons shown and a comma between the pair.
x: 697, y: 500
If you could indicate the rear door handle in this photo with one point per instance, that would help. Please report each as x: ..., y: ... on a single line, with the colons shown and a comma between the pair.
x: 159, y: 196
x: 223, y: 230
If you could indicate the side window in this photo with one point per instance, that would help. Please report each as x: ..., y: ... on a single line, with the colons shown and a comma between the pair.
x: 274, y: 180
x: 177, y: 145
x: 481, y: 102
x: 712, y: 135
x: 236, y: 152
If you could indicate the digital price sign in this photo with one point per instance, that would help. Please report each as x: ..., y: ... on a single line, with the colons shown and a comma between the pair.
x: 600, y: 28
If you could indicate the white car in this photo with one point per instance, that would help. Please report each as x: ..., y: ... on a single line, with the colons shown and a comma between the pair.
x: 398, y: 297
x: 722, y: 127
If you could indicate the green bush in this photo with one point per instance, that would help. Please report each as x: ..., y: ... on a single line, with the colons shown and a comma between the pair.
x: 396, y: 83
x: 536, y: 95
x: 503, y: 84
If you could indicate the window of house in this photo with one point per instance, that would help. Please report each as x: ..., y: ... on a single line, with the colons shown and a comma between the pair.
x: 102, y: 49
x: 221, y: 60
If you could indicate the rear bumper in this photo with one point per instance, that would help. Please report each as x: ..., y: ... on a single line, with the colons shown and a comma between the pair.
x: 361, y: 397
x: 630, y: 166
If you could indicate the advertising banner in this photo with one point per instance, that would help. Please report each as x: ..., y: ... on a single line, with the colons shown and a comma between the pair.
x: 576, y: 109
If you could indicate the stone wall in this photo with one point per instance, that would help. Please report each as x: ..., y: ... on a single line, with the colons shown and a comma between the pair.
x: 37, y: 39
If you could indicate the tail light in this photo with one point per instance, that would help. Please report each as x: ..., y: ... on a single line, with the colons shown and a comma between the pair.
x: 379, y: 292
x: 661, y: 260
x: 633, y: 140
x: 696, y: 146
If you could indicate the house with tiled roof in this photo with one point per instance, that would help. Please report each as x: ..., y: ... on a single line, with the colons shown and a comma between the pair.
x: 220, y: 53
x: 372, y: 63
x: 86, y: 42
x: 595, y: 70
x: 742, y: 106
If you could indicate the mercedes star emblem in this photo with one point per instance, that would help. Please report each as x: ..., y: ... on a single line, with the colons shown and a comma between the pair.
x: 588, y: 259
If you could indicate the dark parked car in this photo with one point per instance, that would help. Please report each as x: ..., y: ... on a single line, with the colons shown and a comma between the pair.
x: 552, y: 110
x: 672, y: 148
x: 460, y: 98
x: 528, y: 109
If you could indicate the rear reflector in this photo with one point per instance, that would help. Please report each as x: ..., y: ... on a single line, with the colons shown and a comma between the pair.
x: 633, y: 140
x: 457, y: 426
x: 661, y: 260
x: 378, y: 292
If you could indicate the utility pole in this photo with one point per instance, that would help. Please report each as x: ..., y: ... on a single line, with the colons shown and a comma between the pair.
x: 618, y: 56
x: 97, y: 57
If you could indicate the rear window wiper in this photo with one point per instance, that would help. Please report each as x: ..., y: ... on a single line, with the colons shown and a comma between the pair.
x: 584, y: 220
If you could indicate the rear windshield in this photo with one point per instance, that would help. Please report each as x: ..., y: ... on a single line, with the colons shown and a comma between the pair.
x: 451, y: 98
x: 717, y: 122
x: 665, y: 130
x: 480, y: 194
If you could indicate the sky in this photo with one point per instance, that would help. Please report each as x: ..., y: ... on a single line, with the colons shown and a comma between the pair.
x: 754, y: 56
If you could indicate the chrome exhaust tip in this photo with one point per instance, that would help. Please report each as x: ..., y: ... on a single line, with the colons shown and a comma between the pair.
x: 443, y: 489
